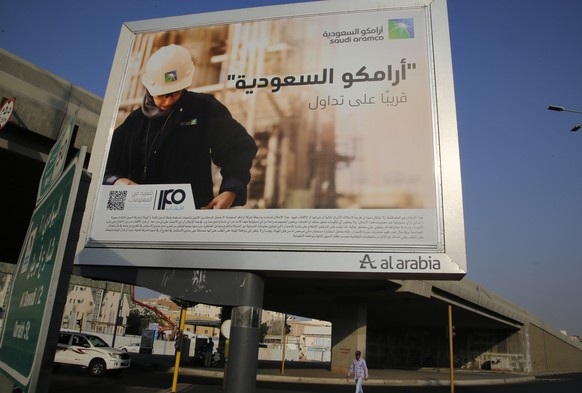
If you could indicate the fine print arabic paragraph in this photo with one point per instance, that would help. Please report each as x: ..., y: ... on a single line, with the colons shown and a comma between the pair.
x: 342, y: 227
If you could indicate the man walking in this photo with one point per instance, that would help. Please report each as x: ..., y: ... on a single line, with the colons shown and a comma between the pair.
x: 208, y: 352
x: 360, y: 371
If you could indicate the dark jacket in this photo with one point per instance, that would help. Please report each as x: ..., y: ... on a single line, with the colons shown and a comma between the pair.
x: 178, y: 148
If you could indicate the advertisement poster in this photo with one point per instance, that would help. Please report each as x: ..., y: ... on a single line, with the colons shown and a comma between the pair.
x: 342, y: 109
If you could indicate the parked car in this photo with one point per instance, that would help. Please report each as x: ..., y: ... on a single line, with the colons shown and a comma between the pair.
x: 91, y: 352
x: 133, y: 347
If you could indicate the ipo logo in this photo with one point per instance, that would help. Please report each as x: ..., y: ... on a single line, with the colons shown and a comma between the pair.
x: 171, y: 199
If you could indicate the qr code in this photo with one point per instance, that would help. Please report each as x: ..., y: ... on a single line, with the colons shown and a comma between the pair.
x: 116, y: 200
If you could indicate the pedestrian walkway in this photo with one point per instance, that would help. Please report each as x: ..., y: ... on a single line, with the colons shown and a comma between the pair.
x: 319, y: 373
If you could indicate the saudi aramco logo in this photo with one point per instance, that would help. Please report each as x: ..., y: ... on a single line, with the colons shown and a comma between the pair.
x: 171, y: 76
x: 400, y: 28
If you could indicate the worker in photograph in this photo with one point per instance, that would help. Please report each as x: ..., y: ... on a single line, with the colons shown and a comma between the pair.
x: 176, y: 135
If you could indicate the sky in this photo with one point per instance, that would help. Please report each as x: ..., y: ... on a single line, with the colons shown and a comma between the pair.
x: 521, y: 166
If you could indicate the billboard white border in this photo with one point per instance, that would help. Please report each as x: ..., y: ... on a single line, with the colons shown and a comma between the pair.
x: 445, y: 119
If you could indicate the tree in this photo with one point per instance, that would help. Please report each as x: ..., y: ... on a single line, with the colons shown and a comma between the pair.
x: 275, y: 327
x: 138, y: 321
x: 264, y: 330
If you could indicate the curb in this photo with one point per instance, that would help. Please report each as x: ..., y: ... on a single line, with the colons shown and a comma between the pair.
x: 370, y: 382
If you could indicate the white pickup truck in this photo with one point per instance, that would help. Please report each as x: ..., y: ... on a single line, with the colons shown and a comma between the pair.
x: 89, y: 351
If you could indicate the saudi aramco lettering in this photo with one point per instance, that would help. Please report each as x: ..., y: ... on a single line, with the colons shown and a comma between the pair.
x: 418, y: 263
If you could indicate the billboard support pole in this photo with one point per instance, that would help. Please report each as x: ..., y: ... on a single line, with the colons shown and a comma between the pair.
x: 241, y: 375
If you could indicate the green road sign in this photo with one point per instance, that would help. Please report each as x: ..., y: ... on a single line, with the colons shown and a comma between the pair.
x: 36, y: 278
x: 56, y: 160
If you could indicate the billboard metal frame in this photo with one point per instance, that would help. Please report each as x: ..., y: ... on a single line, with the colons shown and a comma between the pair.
x: 441, y: 257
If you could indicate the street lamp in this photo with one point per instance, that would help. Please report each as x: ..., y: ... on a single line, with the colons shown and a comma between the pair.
x: 562, y: 109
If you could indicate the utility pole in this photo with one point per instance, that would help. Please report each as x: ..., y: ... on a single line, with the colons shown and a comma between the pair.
x: 117, y: 315
x: 179, y: 346
x: 451, y: 353
x: 284, y: 344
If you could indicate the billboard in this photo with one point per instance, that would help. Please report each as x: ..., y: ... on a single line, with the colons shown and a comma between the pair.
x: 315, y: 137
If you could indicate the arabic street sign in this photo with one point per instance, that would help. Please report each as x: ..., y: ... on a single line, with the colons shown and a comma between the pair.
x: 36, y: 278
x: 56, y: 159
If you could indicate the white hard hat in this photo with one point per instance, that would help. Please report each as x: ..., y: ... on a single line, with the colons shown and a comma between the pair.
x: 168, y: 70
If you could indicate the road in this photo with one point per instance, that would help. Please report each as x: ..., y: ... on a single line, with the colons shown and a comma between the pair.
x: 136, y: 380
